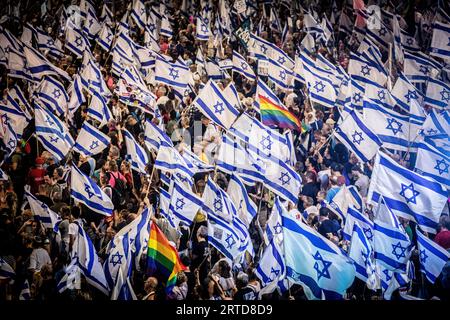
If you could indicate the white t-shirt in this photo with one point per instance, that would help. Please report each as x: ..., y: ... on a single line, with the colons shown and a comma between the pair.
x: 38, y: 258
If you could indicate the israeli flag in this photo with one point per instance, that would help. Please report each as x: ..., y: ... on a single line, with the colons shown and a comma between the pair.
x: 46, y: 44
x: 274, y: 227
x: 6, y: 271
x: 92, y: 78
x: 364, y: 70
x: 212, y: 103
x: 407, y: 193
x: 119, y: 259
x: 38, y: 66
x: 280, y: 76
x: 76, y: 42
x: 16, y: 65
x: 184, y: 204
x: 378, y: 94
x: 282, y: 180
x: 440, y: 46
x: 91, y: 25
x: 432, y: 163
x: 361, y: 252
x: 315, y: 262
x: 418, y: 67
x: 145, y: 56
x: 123, y: 290
x: 432, y: 256
x: 42, y: 212
x: 171, y: 74
x: 170, y: 160
x: 164, y: 203
x: 245, y: 206
x: 222, y: 236
x: 77, y: 97
x: 281, y: 57
x: 260, y: 48
x: 438, y: 94
x: 53, y: 95
x: 106, y: 15
x: 214, y: 70
x: 86, y: 191
x: 52, y: 133
x: 25, y: 293
x: 16, y: 94
x: 408, y: 98
x: 355, y: 217
x: 166, y: 27
x: 436, y: 123
x: 99, y: 110
x: 136, y: 154
x: 105, y: 37
x: 203, y: 30
x: 271, y: 268
x: 241, y: 66
x: 194, y: 162
x: 357, y: 137
x: 139, y: 14
x: 88, y: 261
x: 154, y: 136
x: 392, y: 128
x: 90, y: 140
x: 216, y: 201
x: 346, y: 197
x: 12, y: 114
x: 9, y: 139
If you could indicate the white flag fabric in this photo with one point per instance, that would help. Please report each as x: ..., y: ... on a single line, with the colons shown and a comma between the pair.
x: 135, y: 153
x: 90, y: 140
x: 440, y: 45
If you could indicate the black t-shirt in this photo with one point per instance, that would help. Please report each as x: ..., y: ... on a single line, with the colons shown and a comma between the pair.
x: 310, y: 189
x: 199, y: 253
x: 246, y: 294
x: 328, y: 226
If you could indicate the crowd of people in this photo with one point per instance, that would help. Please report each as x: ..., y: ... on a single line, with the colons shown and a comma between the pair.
x: 39, y: 256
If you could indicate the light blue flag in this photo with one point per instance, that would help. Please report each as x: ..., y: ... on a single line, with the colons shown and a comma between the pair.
x: 86, y: 191
x: 184, y: 204
x: 53, y: 95
x: 432, y: 256
x: 315, y: 262
x: 88, y: 261
x: 42, y: 212
x: 361, y: 252
x: 52, y: 133
x: 408, y: 194
x: 90, y: 140
x: 136, y: 154
x: 357, y: 137
x: 438, y: 94
x: 433, y: 163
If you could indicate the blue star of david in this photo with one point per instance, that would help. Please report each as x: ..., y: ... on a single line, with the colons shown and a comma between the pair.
x: 151, y: 27
x: 116, y: 259
x: 424, y: 69
x: 411, y: 95
x: 277, y: 228
x: 206, y: 20
x: 87, y: 189
x: 394, y: 125
x: 91, y: 22
x: 321, y: 272
x: 319, y: 86
x: 357, y: 137
x: 217, y: 205
x: 357, y: 97
x: 365, y: 70
x: 441, y: 166
x: 49, y: 121
x: 266, y: 143
x: 283, y: 75
x: 431, y: 132
x: 445, y: 95
x: 179, y: 204
x: 365, y: 257
x: 218, y: 107
x: 281, y: 60
x: 78, y: 41
x: 368, y: 233
x: 398, y: 251
x: 132, y: 240
x: 410, y: 188
x: 381, y: 95
x: 263, y: 48
x: 382, y: 31
x: 93, y: 145
x: 56, y: 93
x: 12, y: 143
x: 276, y: 272
x: 423, y: 256
x: 230, y: 241
x: 204, y: 28
x: 243, y: 66
x: 142, y: 11
x: 173, y: 73
x: 108, y: 37
x: 50, y: 42
x: 54, y: 139
x: 409, y: 41
x: 284, y: 178
x: 181, y: 177
x: 386, y: 273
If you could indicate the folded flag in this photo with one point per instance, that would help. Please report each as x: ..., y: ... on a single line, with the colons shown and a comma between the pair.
x: 163, y: 260
x: 136, y: 154
x: 86, y: 191
x: 90, y: 140
x: 245, y: 206
x: 42, y: 212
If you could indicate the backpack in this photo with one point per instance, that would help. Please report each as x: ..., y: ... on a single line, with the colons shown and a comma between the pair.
x: 118, y: 192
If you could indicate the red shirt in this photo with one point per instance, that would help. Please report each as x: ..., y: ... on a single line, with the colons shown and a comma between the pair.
x: 36, y: 178
x: 443, y: 239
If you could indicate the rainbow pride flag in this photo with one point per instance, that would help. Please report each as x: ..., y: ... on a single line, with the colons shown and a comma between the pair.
x: 163, y: 261
x: 273, y: 114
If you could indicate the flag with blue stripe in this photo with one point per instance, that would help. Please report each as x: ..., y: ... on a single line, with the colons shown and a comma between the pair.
x: 98, y: 109
x: 12, y: 114
x: 433, y: 163
x: 25, y: 293
x: 171, y: 74
x: 315, y: 262
x: 170, y: 160
x: 194, y: 162
x: 408, y: 194
x: 42, y: 212
x: 271, y: 268
x: 38, y: 66
x: 52, y: 133
x: 222, y: 236
x: 438, y: 94
x: 279, y: 75
x: 184, y: 204
x: 76, y: 41
x: 154, y: 136
x: 355, y: 217
x: 202, y: 29
x: 274, y: 227
x: 105, y: 37
x: 245, y: 206
x: 119, y: 259
x: 136, y: 154
x: 432, y: 256
x: 6, y: 271
x: 53, y: 95
x: 241, y: 66
x: 418, y: 67
x: 440, y: 45
x: 90, y: 140
x: 139, y: 14
x: 86, y: 191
